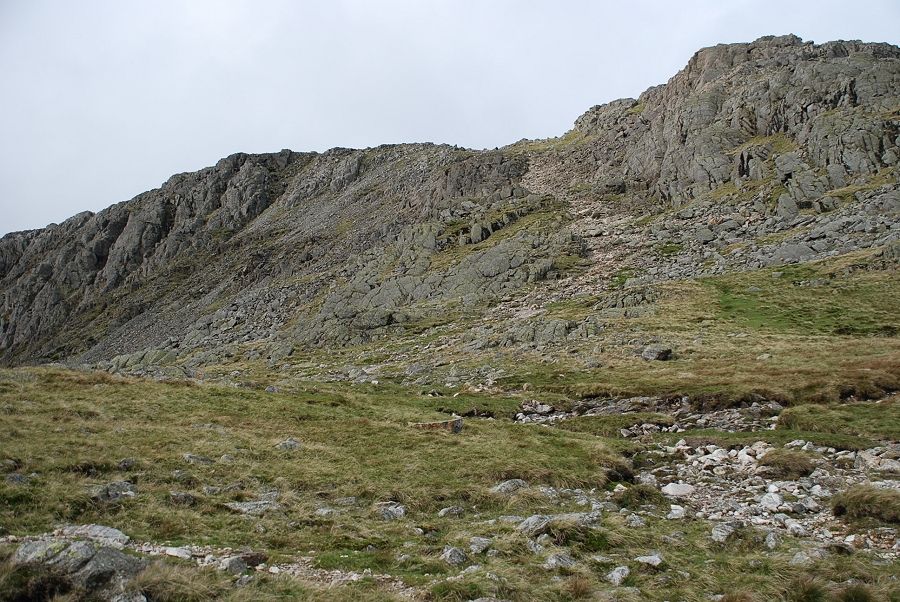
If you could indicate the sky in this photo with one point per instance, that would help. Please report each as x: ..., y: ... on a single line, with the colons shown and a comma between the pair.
x: 101, y: 100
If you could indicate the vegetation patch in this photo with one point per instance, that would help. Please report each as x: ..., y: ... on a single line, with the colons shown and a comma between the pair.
x: 879, y: 420
x: 788, y: 463
x: 868, y: 502
x: 806, y: 299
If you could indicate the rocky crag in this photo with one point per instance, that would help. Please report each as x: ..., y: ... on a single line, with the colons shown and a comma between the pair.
x: 760, y: 154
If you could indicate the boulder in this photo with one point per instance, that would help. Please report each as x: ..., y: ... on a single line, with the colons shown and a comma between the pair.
x: 102, y: 572
x: 477, y: 545
x: 653, y: 560
x: 390, y: 510
x: 253, y: 508
x: 618, y: 575
x: 509, y: 486
x: 454, y: 556
x: 678, y: 489
x: 113, y: 492
x: 657, y: 352
x: 559, y: 560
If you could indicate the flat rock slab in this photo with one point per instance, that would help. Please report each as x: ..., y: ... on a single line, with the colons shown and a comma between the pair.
x: 454, y: 425
x: 678, y: 489
x: 106, y: 535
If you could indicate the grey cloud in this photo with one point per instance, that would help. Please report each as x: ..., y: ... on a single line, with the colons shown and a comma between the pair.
x: 102, y: 100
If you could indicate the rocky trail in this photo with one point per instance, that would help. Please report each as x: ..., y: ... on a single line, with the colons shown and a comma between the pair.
x: 732, y: 486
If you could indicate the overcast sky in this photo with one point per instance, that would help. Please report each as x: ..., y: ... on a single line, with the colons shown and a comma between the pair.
x: 101, y: 100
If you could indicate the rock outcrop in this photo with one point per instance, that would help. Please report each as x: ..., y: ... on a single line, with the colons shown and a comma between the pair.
x: 772, y: 152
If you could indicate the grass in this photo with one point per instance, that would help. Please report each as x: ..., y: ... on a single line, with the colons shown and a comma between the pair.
x: 882, y: 177
x: 872, y: 420
x: 868, y: 502
x: 355, y: 442
x: 569, y: 139
x: 855, y: 593
x: 828, y: 336
x: 806, y: 589
x: 779, y: 143
x: 72, y: 428
x: 622, y: 276
x: 788, y: 463
x: 669, y: 249
x: 574, y: 308
x: 166, y: 581
x: 637, y: 109
x: 541, y: 219
x: 863, y: 305
x: 635, y: 496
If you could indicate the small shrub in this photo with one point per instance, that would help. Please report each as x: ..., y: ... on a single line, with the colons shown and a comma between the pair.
x: 866, y: 501
x: 788, y: 463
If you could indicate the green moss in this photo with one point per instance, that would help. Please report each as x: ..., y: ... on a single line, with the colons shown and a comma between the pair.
x: 622, y: 276
x: 779, y: 143
x: 637, y: 109
x: 668, y: 249
x: 807, y: 299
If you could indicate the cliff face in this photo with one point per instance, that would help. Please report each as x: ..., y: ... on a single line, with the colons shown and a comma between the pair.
x: 781, y: 150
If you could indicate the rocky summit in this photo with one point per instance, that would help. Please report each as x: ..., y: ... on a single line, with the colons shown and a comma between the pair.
x: 654, y: 358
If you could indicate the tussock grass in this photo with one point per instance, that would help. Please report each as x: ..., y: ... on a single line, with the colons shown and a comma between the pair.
x: 163, y: 582
x: 806, y: 589
x: 354, y: 442
x: 855, y: 593
x: 868, y: 502
x: 636, y: 496
x: 72, y: 430
x: 788, y: 463
x: 738, y: 597
x: 821, y: 332
x: 777, y: 437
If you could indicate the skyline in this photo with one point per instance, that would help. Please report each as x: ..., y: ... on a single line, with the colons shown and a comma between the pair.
x: 105, y: 101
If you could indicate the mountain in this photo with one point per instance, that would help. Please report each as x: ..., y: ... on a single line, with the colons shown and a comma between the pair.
x: 762, y: 154
x: 655, y: 358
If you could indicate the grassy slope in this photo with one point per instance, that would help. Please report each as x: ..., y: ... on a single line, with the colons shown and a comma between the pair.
x: 813, y: 334
x: 72, y: 429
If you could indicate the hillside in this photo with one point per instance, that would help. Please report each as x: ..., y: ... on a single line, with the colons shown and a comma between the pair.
x: 630, y: 319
